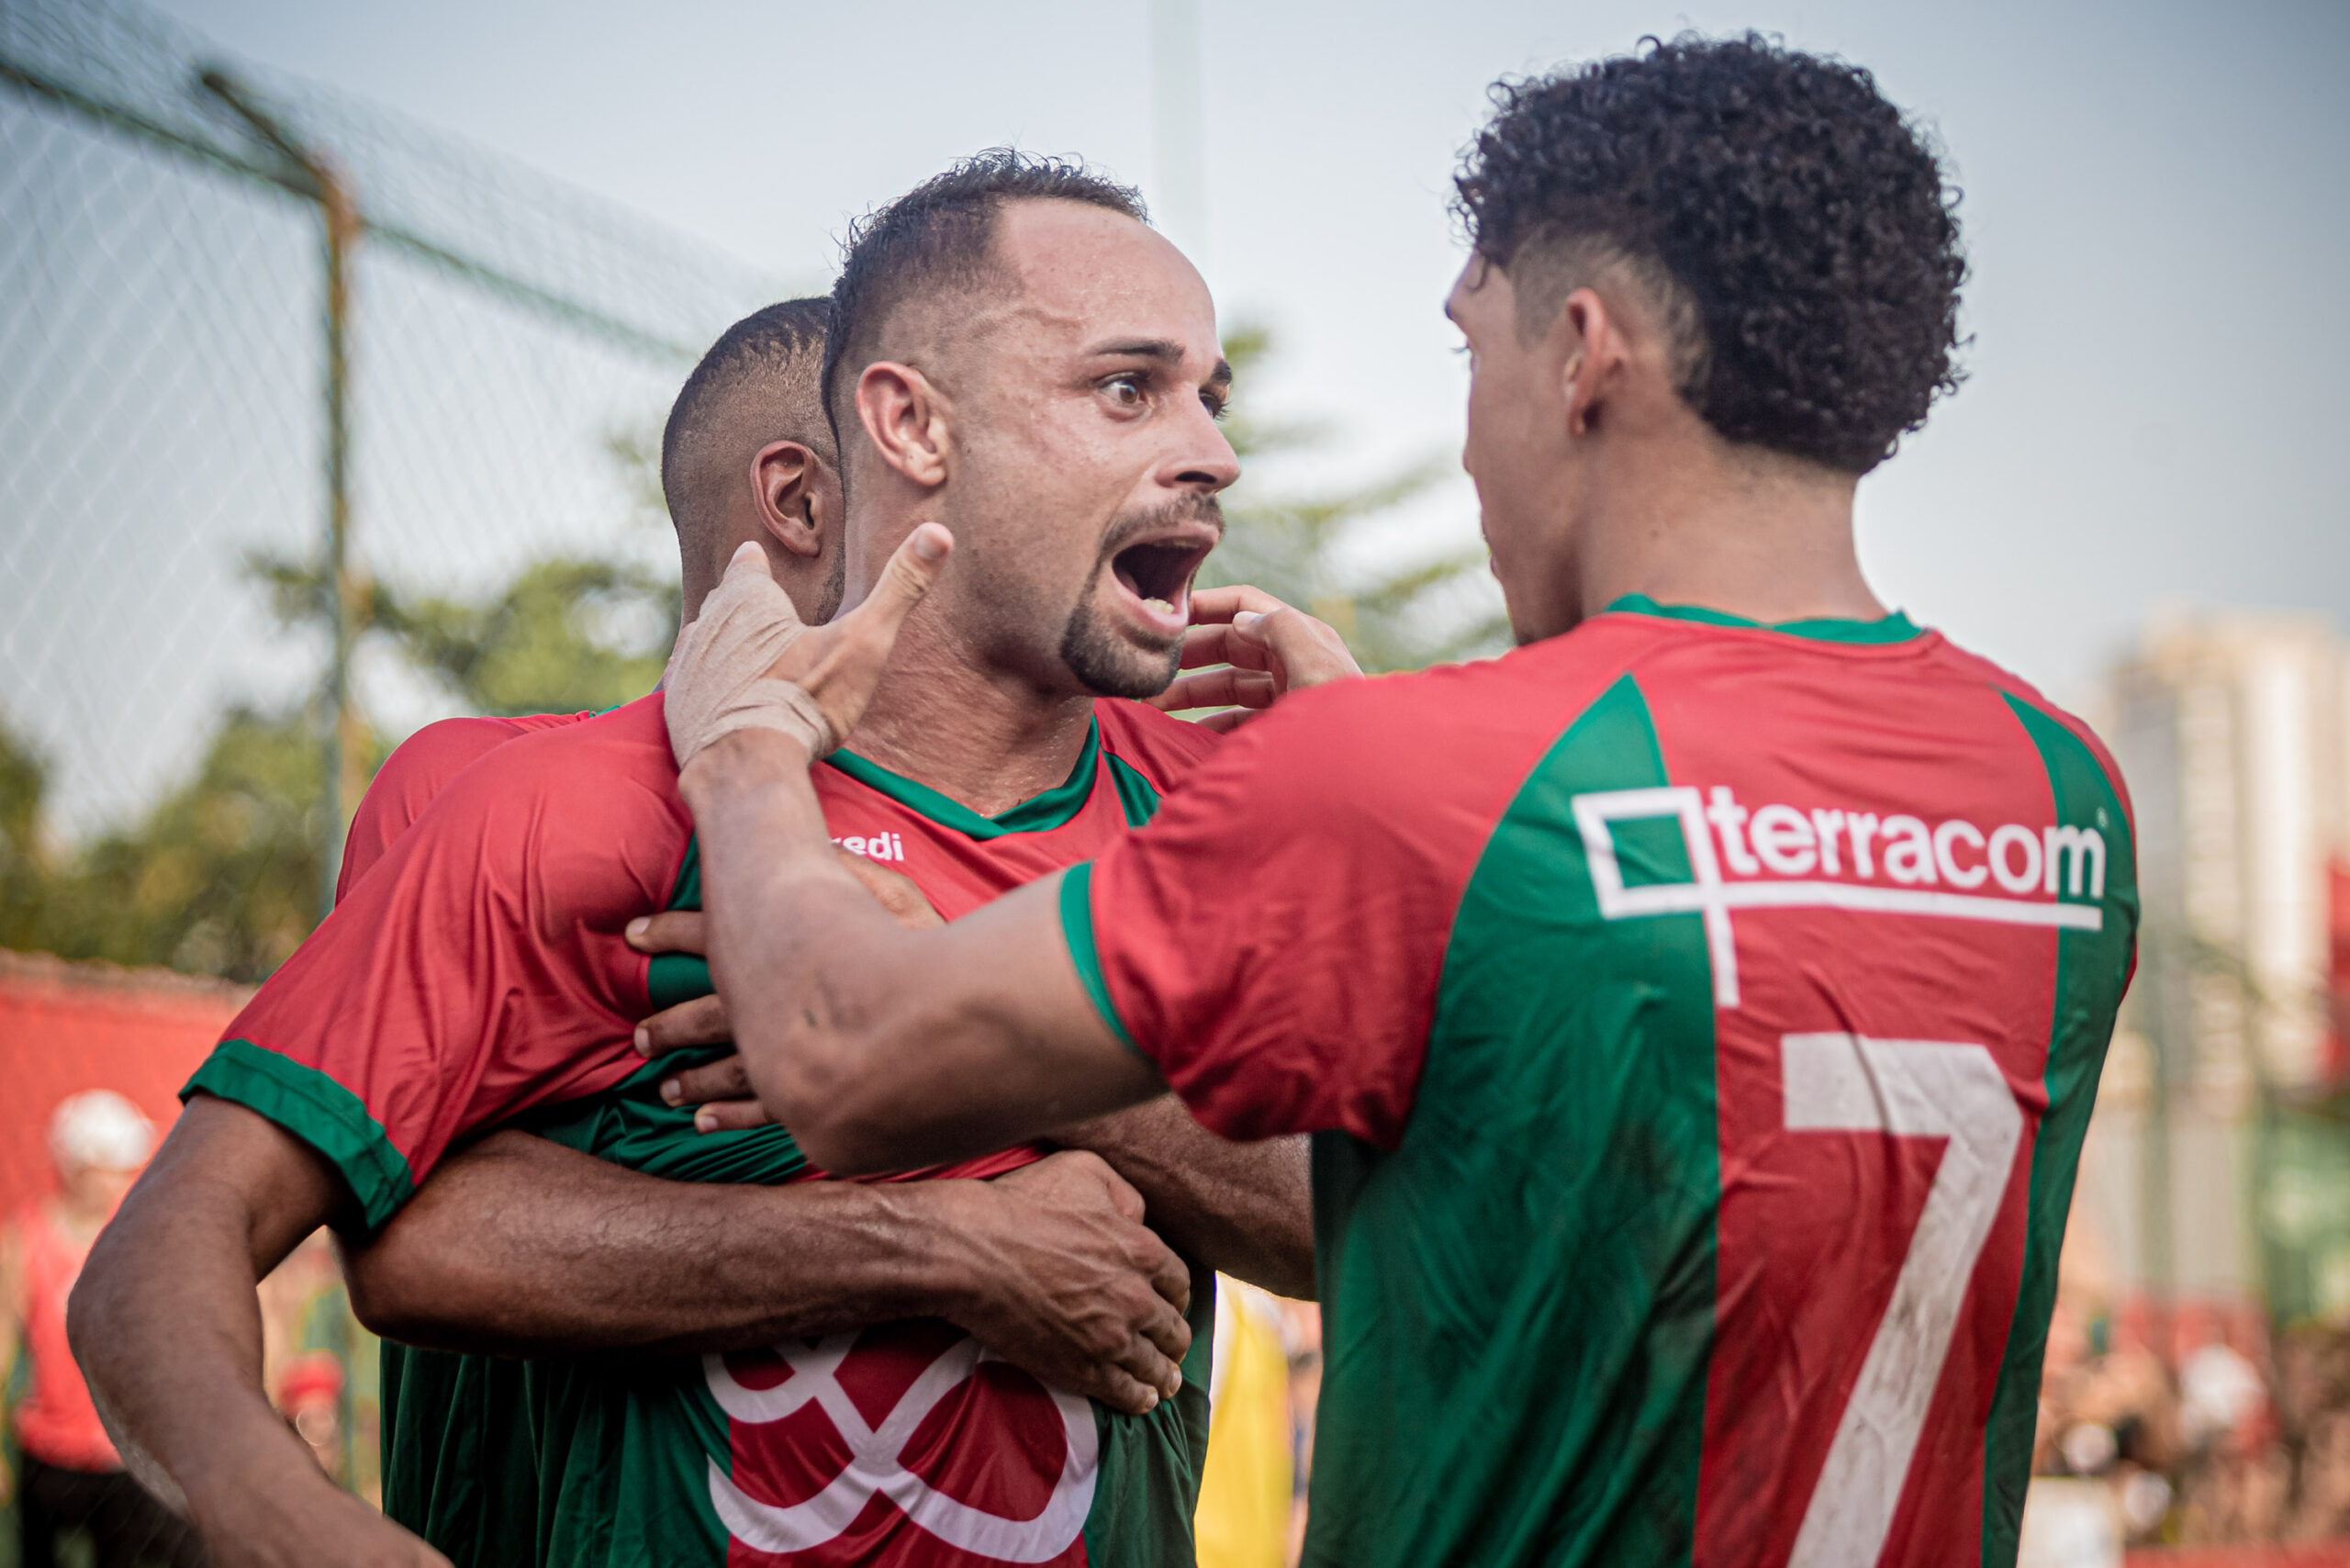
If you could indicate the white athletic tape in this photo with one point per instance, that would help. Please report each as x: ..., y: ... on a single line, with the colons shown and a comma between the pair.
x: 717, y: 681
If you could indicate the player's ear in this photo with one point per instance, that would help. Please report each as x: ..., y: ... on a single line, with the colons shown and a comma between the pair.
x: 1580, y: 338
x: 905, y: 418
x: 786, y: 480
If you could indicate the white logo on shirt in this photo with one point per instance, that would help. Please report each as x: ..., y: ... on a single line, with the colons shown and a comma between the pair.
x: 877, y: 1463
x: 1794, y: 850
x: 876, y: 847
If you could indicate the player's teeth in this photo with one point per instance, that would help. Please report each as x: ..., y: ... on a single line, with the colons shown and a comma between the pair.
x: 1160, y: 604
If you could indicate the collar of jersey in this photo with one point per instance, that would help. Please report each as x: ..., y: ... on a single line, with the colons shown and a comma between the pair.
x: 1039, y: 813
x: 1895, y: 628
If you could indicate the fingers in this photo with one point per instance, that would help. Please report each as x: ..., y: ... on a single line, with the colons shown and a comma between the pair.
x: 1224, y: 724
x: 731, y: 1115
x: 1171, y: 1277
x: 1308, y: 651
x: 724, y: 1079
x: 1121, y: 1391
x: 1223, y: 688
x: 853, y: 650
x: 1155, y: 1355
x: 1205, y: 645
x: 671, y: 931
x: 701, y: 1022
x: 1211, y: 606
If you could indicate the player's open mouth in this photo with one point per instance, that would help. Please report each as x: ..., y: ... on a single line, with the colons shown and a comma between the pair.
x: 1156, y: 574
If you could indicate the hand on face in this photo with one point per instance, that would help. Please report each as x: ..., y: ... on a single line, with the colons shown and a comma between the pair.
x: 748, y: 662
x: 722, y: 1089
x: 1261, y: 648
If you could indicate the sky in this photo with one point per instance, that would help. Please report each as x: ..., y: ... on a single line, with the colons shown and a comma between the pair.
x: 2155, y: 203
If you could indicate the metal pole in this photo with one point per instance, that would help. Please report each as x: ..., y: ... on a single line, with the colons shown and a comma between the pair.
x: 346, y: 736
x: 346, y: 739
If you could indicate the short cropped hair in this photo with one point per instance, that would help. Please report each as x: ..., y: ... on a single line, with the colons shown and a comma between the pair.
x: 1797, y: 230
x: 757, y: 384
x: 934, y: 240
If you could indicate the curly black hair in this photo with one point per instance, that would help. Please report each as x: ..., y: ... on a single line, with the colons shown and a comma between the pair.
x: 1809, y: 225
x: 935, y: 237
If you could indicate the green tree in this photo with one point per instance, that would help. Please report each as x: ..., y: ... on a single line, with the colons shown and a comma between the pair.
x: 1305, y: 549
x: 24, y: 861
x: 567, y: 634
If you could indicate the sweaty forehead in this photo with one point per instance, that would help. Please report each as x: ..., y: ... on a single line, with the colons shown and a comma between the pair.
x: 1088, y: 275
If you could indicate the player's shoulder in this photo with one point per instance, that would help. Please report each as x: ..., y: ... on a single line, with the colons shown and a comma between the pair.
x: 2022, y: 694
x: 1161, y: 748
x: 613, y: 769
x: 440, y: 751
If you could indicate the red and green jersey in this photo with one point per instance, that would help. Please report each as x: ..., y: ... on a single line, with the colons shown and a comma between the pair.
x: 474, y: 975
x: 1698, y: 1022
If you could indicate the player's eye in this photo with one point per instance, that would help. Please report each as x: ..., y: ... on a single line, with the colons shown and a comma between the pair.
x: 1126, y: 391
x: 1217, y: 404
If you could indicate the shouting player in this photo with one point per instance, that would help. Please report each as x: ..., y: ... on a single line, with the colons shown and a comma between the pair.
x: 478, y: 969
x: 1698, y: 1010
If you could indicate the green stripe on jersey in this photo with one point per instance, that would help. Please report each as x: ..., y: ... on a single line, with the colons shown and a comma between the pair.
x: 1519, y: 1302
x: 1039, y: 813
x: 319, y: 1111
x: 1894, y: 628
x: 2092, y: 967
x: 1077, y: 930
x: 1136, y: 796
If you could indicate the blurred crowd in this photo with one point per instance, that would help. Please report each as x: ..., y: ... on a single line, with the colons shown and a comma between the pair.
x: 61, y: 1483
x: 2203, y: 1429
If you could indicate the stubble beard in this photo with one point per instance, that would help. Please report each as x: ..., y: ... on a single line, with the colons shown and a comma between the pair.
x: 1108, y: 665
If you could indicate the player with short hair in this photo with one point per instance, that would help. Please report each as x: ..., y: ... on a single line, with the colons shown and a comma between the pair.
x: 1698, y: 1010
x: 478, y: 971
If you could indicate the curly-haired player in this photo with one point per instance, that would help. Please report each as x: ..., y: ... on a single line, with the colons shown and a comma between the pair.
x: 1698, y: 1010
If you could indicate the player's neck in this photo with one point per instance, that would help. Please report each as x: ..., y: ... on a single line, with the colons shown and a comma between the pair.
x: 1766, y: 538
x: 978, y: 736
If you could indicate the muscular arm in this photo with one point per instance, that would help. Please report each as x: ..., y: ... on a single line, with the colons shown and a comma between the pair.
x: 1244, y: 1208
x: 166, y: 1326
x: 521, y: 1247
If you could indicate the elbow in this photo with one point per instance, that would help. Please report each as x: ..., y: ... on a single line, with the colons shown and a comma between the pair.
x: 93, y: 1308
x: 381, y: 1301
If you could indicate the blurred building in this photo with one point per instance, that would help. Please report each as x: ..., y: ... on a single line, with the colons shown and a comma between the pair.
x: 2215, y: 1190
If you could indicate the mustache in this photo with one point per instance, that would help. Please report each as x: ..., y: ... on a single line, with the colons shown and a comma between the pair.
x: 1124, y: 529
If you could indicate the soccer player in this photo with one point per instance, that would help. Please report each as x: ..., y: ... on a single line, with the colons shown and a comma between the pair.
x: 1698, y: 1010
x: 478, y: 969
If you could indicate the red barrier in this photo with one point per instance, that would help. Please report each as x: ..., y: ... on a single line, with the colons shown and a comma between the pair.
x: 66, y: 1027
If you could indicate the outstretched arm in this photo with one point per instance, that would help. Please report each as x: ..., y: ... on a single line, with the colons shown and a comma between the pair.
x: 521, y: 1247
x: 1243, y: 1208
x: 166, y: 1326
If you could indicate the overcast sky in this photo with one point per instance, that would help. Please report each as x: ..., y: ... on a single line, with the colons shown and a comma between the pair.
x: 2155, y: 204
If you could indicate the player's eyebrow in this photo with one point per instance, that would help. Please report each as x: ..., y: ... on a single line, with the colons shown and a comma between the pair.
x: 1166, y: 350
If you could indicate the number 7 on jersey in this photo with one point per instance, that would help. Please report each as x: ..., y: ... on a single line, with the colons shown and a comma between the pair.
x: 1847, y: 1084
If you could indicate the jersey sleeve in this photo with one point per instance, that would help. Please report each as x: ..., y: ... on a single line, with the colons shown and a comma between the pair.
x: 477, y: 970
x: 418, y: 769
x: 1273, y: 940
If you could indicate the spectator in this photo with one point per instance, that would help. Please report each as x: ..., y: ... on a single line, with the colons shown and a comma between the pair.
x: 73, y: 1478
